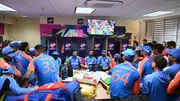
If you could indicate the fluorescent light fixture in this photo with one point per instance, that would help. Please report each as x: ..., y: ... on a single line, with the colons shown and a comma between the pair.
x: 84, y: 10
x: 6, y: 8
x: 24, y: 16
x: 158, y: 13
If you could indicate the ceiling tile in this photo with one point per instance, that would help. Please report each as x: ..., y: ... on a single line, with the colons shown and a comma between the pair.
x: 41, y: 6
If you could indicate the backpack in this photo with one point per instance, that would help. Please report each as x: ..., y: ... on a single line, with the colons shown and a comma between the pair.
x: 64, y: 93
x: 4, y: 90
x: 64, y: 72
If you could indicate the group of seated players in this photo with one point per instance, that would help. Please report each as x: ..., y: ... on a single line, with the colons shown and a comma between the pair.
x: 153, y: 71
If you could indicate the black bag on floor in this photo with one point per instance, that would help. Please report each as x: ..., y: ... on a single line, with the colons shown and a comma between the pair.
x: 4, y: 90
x: 137, y: 98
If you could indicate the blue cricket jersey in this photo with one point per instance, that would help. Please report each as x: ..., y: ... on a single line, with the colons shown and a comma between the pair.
x: 172, y: 70
x: 58, y: 62
x: 104, y: 61
x: 123, y: 77
x: 22, y: 63
x: 74, y: 62
x: 155, y: 86
x: 14, y: 87
x: 90, y: 61
x: 147, y: 68
x: 46, y: 69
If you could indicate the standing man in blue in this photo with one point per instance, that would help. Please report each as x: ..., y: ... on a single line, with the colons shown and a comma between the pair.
x: 125, y: 78
x: 74, y: 61
x: 8, y: 55
x: 174, y: 58
x: 23, y: 59
x: 104, y: 61
x: 44, y: 66
x: 155, y: 84
x: 90, y: 61
x: 145, y: 66
x: 56, y: 55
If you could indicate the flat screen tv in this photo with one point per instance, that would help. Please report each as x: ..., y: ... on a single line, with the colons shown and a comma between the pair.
x: 101, y: 27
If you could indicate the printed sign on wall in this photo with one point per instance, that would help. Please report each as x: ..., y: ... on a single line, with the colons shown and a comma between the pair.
x: 97, y: 46
x: 50, y: 20
x: 111, y: 45
x: 82, y: 47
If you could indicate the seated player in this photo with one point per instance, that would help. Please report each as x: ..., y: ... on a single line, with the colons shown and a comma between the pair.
x: 104, y: 61
x: 56, y: 55
x: 117, y: 58
x: 174, y: 58
x: 90, y: 61
x: 125, y: 78
x: 74, y: 61
x: 145, y: 66
x: 44, y: 66
x: 8, y: 55
x: 155, y: 84
x: 13, y: 86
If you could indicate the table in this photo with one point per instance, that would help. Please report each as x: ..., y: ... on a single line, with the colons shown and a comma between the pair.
x: 101, y: 93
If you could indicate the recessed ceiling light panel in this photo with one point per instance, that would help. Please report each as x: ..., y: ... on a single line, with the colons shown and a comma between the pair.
x: 84, y: 10
x: 6, y: 8
x: 158, y: 13
x: 24, y: 16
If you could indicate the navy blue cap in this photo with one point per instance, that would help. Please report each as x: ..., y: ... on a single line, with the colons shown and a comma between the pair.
x: 9, y: 70
x: 103, y: 52
x: 14, y: 44
x: 129, y: 53
x: 32, y: 50
x: 9, y: 51
x: 174, y: 52
x: 117, y: 55
x: 146, y: 49
x: 55, y: 53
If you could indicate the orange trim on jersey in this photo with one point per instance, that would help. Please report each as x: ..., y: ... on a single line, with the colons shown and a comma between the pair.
x: 141, y: 64
x: 26, y: 56
x: 174, y: 84
x: 17, y: 72
x: 31, y: 64
x: 151, y: 55
x: 141, y: 58
x: 112, y: 63
x: 48, y: 98
x: 4, y: 65
x: 136, y: 88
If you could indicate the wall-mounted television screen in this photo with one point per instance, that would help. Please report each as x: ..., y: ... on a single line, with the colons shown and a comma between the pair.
x: 101, y: 27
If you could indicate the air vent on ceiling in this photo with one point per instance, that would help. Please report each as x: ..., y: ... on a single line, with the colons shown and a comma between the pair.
x: 102, y: 3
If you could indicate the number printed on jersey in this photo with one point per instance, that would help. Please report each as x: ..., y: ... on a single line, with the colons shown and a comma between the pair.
x: 118, y: 77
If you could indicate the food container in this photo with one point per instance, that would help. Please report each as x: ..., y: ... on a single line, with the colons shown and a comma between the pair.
x: 88, y: 90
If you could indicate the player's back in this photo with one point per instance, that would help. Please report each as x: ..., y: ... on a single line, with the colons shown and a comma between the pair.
x: 45, y: 67
x: 123, y: 77
x: 155, y: 86
x: 22, y: 63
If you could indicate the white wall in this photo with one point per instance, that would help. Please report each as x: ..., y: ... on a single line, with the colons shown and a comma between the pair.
x: 24, y: 29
